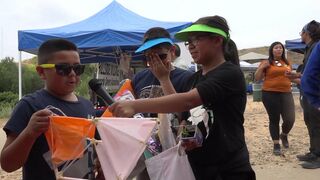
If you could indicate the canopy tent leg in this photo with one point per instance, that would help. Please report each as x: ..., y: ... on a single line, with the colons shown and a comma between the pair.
x: 20, y: 76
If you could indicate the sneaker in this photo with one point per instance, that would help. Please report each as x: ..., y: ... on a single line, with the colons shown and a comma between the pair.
x: 307, y: 157
x: 312, y: 165
x: 277, y: 149
x: 284, y: 140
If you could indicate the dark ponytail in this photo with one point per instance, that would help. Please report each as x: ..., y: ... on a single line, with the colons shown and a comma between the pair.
x: 231, y: 52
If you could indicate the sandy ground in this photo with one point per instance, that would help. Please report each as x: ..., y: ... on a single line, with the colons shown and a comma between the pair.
x: 266, y: 165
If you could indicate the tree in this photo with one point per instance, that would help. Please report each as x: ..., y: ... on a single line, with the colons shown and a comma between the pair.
x: 30, y: 79
x: 83, y: 88
x: 9, y: 75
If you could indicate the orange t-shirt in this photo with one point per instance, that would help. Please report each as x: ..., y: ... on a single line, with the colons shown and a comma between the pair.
x: 275, y: 79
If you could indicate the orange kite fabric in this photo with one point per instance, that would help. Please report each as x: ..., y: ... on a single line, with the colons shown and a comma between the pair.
x: 66, y: 137
x: 126, y: 86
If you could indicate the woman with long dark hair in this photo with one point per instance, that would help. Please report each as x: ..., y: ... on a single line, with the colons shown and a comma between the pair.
x: 276, y: 94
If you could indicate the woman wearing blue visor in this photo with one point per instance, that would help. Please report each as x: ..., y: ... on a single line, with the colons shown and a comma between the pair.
x: 219, y: 87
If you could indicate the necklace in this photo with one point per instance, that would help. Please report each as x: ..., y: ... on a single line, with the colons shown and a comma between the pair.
x: 278, y: 63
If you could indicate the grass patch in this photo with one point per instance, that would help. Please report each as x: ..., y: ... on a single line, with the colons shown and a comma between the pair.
x: 5, y: 110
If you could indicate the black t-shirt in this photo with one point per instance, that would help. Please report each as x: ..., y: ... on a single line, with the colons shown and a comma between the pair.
x: 223, y: 93
x: 36, y: 167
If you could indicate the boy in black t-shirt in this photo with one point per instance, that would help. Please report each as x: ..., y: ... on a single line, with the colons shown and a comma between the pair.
x: 161, y: 77
x: 59, y: 67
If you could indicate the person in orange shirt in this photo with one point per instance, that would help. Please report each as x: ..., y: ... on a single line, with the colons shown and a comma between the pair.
x: 276, y: 94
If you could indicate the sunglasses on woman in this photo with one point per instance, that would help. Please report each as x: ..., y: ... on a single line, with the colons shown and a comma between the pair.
x: 65, y: 69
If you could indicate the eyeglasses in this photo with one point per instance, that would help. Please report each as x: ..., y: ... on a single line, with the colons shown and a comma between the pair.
x: 194, y: 40
x: 162, y: 56
x: 65, y: 69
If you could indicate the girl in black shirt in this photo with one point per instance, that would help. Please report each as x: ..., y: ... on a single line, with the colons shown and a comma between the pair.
x: 219, y: 87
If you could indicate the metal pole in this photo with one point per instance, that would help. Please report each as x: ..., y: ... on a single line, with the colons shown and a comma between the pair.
x: 20, y: 77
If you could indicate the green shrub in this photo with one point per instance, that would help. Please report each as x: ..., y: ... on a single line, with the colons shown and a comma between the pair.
x: 9, y: 97
x: 5, y: 110
x: 7, y: 101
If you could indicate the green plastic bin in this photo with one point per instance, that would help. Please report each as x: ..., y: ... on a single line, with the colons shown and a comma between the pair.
x: 257, y: 92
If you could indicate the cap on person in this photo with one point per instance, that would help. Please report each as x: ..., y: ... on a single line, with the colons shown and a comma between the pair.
x: 154, y: 37
x: 207, y: 25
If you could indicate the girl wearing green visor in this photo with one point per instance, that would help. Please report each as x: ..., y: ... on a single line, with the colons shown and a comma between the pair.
x: 219, y: 88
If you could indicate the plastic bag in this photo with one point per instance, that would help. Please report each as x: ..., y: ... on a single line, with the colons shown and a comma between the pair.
x: 170, y: 164
x: 165, y: 133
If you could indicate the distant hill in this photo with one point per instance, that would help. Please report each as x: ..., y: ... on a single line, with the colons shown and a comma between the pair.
x: 296, y: 58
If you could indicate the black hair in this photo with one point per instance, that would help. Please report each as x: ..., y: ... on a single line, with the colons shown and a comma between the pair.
x: 177, y: 51
x: 283, y: 56
x: 49, y: 47
x: 313, y: 29
x: 214, y: 21
x: 154, y: 33
x: 231, y: 52
x: 157, y: 32
x: 217, y: 22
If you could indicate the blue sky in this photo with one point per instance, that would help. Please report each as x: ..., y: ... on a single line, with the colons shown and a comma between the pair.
x: 253, y: 23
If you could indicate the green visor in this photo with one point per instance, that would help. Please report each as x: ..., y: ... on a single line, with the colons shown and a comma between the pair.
x: 183, y: 34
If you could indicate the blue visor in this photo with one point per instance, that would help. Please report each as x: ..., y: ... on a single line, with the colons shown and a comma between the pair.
x: 153, y: 42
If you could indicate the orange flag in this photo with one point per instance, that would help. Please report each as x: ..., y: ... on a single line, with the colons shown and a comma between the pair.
x: 126, y: 86
x: 66, y: 137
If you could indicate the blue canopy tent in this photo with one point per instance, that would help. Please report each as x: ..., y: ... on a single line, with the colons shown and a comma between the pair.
x: 101, y: 37
x: 295, y: 45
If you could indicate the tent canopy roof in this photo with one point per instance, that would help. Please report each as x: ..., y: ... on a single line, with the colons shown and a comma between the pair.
x: 102, y: 36
x: 295, y: 45
x: 252, y: 56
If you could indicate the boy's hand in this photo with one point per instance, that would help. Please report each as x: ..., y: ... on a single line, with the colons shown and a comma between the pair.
x: 159, y: 68
x: 39, y: 123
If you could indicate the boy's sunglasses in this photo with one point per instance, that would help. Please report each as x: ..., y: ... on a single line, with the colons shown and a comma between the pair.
x: 161, y: 56
x: 65, y: 69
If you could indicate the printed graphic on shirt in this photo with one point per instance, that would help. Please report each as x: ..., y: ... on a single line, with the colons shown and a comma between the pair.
x: 151, y: 91
x: 199, y: 114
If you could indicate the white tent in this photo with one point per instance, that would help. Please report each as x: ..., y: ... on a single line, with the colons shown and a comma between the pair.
x: 245, y: 66
x: 252, y: 56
